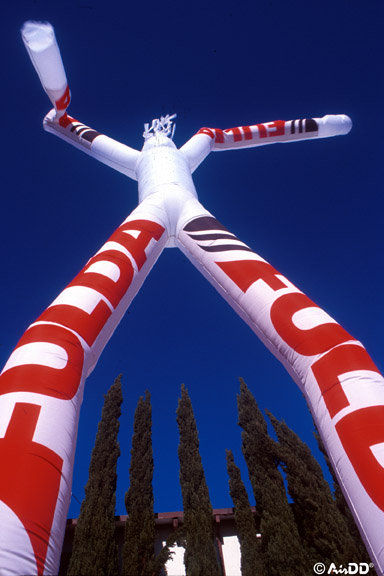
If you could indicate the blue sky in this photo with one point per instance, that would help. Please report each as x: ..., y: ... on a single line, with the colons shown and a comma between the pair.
x: 312, y: 209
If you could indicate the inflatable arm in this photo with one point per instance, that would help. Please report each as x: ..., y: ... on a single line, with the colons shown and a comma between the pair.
x: 108, y: 151
x: 341, y: 384
x: 208, y: 139
x: 40, y: 42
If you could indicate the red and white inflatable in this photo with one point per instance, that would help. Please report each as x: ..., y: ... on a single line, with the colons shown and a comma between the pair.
x: 42, y: 382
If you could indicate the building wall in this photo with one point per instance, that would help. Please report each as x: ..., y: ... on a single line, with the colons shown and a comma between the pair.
x: 226, y: 539
x: 231, y: 551
x: 175, y: 567
x: 227, y: 543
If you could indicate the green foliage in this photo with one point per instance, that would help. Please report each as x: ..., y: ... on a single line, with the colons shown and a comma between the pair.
x: 251, y: 559
x: 139, y: 544
x: 280, y: 541
x: 94, y: 547
x: 200, y: 556
x: 323, y: 530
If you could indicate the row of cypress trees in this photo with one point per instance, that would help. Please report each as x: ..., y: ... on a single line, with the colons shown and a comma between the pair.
x: 311, y: 526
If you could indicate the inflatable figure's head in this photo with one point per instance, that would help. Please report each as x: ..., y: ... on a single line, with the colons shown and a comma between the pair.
x: 163, y: 126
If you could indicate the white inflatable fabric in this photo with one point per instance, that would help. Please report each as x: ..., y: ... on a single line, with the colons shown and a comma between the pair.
x: 40, y: 41
x: 116, y: 155
x: 42, y: 383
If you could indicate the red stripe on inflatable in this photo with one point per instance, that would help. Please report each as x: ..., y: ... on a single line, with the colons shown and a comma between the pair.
x: 237, y: 135
x: 247, y: 132
x: 219, y: 136
x: 207, y: 131
x: 63, y: 102
x: 66, y: 120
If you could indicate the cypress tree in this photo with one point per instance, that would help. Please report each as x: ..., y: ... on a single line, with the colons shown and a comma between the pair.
x: 250, y: 547
x: 200, y: 555
x: 280, y: 541
x: 139, y: 543
x: 323, y: 529
x: 94, y: 547
x: 361, y: 554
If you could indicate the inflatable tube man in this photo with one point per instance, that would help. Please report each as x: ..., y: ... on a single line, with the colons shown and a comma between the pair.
x: 42, y: 383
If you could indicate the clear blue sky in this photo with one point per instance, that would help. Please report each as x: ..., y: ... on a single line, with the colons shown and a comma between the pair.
x: 314, y: 210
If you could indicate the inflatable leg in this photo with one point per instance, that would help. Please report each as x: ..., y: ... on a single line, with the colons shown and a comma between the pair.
x: 42, y: 388
x: 343, y: 387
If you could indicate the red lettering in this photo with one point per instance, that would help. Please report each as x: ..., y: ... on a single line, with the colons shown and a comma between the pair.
x: 60, y: 383
x: 245, y: 272
x: 276, y: 128
x: 272, y: 129
x: 306, y: 342
x: 338, y: 361
x: 88, y: 326
x: 148, y: 230
x: 262, y: 130
x: 113, y: 291
x: 30, y: 481
x: 247, y: 133
x: 359, y: 431
x: 219, y: 136
x: 237, y: 136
